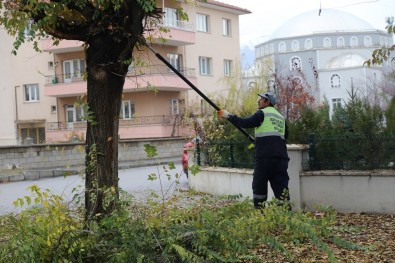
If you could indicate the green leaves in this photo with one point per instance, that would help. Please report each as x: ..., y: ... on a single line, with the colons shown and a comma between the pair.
x: 147, y: 5
x: 382, y: 54
x: 150, y: 150
x: 204, y: 228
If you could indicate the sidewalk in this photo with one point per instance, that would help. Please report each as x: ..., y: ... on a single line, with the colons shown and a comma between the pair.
x: 19, y: 174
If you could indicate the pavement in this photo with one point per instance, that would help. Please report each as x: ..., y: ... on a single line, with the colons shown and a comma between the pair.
x: 20, y: 174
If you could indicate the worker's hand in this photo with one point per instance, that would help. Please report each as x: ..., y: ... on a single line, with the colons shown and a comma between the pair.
x: 223, y: 114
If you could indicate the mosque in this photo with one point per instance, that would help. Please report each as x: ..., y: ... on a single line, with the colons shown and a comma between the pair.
x: 325, y: 51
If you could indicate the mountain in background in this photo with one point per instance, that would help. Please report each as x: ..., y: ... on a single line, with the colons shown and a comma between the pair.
x: 247, y: 56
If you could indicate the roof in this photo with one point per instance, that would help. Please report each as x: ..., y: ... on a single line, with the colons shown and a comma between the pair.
x: 321, y: 21
x: 219, y: 5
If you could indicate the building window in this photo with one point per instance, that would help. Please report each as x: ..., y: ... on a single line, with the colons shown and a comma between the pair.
x: 73, y: 69
x: 227, y: 68
x: 354, y: 41
x: 76, y: 113
x: 295, y: 63
x: 175, y: 60
x: 127, y: 110
x: 226, y: 29
x: 204, y: 66
x: 335, y: 81
x: 340, y: 42
x: 327, y: 42
x: 266, y: 50
x: 205, y: 108
x: 33, y: 135
x: 80, y: 113
x: 295, y: 45
x: 271, y: 48
x: 202, y: 23
x: 308, y: 44
x: 174, y: 107
x: 28, y: 30
x: 367, y: 41
x: 282, y: 47
x: 381, y: 41
x: 171, y: 17
x: 336, y: 103
x: 32, y: 93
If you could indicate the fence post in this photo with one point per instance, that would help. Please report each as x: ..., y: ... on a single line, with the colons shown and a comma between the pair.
x: 198, y: 151
x: 232, y: 158
x: 312, y: 153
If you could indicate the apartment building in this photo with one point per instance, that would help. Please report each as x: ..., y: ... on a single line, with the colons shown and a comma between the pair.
x: 50, y: 87
x: 25, y: 109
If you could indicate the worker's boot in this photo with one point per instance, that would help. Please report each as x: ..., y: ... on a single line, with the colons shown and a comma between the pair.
x: 259, y: 203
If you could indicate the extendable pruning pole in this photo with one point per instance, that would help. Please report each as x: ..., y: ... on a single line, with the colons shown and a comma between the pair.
x: 159, y: 56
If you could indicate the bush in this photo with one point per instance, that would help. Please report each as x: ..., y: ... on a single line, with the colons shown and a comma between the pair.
x: 217, y: 230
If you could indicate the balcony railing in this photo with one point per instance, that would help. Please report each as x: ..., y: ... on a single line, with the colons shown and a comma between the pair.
x: 63, y: 78
x: 135, y: 121
x: 133, y: 72
x: 159, y: 70
x: 139, y: 127
x: 178, y: 24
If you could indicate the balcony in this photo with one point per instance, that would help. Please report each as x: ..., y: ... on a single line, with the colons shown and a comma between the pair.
x: 158, y: 76
x: 138, y: 78
x: 180, y: 33
x: 64, y: 46
x: 64, y: 85
x: 138, y: 127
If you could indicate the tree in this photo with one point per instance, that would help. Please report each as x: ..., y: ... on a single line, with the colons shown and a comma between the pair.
x: 293, y: 94
x: 390, y: 116
x: 382, y: 54
x: 110, y: 30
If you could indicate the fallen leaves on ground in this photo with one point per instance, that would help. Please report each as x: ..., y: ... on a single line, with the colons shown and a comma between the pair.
x: 375, y: 232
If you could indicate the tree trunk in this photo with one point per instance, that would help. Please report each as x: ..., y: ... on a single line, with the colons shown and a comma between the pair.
x: 106, y: 76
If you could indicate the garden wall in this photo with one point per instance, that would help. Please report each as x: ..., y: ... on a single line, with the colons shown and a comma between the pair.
x: 346, y: 191
x: 51, y: 156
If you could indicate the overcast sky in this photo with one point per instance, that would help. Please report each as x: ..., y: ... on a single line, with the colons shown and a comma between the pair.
x: 268, y: 15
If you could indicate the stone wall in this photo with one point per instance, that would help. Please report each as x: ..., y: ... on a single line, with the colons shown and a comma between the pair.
x: 50, y: 156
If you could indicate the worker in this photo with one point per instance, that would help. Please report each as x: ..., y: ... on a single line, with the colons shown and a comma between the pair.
x: 184, y: 162
x: 185, y: 157
x: 271, y: 157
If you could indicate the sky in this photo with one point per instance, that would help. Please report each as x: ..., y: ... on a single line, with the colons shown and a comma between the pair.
x: 267, y: 16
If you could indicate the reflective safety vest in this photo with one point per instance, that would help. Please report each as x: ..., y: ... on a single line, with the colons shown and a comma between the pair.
x: 273, y: 124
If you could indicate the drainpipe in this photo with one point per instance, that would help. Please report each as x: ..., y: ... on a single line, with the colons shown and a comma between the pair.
x: 16, y: 115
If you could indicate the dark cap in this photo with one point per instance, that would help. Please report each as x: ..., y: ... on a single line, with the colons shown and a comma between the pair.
x: 270, y: 96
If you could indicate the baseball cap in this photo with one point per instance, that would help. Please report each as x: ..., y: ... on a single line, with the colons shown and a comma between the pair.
x: 270, y: 96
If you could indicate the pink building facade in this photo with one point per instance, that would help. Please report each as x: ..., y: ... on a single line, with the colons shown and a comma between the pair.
x: 154, y: 98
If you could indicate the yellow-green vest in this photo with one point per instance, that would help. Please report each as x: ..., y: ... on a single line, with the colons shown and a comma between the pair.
x: 272, y: 125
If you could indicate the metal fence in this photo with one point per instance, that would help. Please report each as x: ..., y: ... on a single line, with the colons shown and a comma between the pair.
x: 351, y: 152
x: 225, y: 154
x: 326, y: 152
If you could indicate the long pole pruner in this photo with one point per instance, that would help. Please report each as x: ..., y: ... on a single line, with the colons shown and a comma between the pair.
x: 159, y: 56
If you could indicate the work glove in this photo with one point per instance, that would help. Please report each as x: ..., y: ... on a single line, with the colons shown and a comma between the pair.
x: 223, y: 114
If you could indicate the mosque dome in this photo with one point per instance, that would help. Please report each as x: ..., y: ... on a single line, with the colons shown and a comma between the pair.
x: 326, y: 21
x: 345, y: 61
